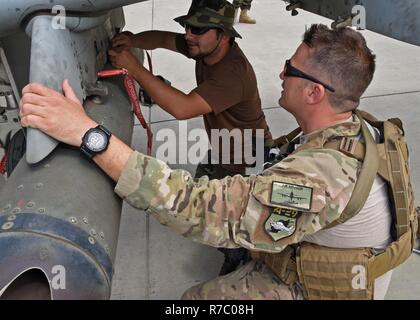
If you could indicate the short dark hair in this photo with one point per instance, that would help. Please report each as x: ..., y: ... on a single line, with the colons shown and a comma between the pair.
x: 341, y: 55
x: 221, y: 32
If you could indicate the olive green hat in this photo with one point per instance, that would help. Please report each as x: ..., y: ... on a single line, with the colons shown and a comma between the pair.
x: 211, y: 13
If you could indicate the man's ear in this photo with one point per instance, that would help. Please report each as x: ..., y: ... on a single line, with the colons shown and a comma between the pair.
x: 315, y: 93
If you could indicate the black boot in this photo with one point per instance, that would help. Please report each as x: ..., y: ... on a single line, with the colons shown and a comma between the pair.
x: 233, y: 259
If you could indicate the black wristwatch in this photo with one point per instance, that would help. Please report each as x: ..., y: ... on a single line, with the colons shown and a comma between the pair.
x: 95, y: 141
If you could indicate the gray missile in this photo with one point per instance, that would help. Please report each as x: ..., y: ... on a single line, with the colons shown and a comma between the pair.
x: 59, y: 215
x: 62, y: 213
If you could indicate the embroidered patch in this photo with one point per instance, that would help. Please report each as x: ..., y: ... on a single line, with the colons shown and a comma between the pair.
x: 291, y: 195
x: 281, y: 223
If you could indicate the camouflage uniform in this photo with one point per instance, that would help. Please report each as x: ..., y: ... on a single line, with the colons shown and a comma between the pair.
x: 243, y: 4
x: 306, y: 190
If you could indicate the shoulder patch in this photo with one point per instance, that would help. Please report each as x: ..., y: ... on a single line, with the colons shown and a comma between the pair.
x: 281, y: 223
x: 291, y: 195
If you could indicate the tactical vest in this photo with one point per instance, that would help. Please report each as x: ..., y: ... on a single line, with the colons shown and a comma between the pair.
x: 334, y: 273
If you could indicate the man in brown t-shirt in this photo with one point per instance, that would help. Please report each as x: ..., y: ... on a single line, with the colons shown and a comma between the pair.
x: 226, y: 94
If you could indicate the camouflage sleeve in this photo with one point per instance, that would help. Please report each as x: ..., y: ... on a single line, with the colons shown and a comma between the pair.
x: 203, y: 210
x: 297, y: 197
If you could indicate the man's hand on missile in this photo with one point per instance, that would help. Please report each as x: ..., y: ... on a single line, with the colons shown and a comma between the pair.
x: 60, y: 116
x: 124, y: 59
x: 124, y: 40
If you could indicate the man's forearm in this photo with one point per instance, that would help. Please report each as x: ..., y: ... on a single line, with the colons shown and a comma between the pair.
x: 202, y: 210
x: 114, y: 159
x: 150, y: 40
x: 168, y: 98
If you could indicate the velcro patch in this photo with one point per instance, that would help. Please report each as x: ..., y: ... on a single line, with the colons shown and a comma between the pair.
x: 291, y: 195
x: 281, y: 223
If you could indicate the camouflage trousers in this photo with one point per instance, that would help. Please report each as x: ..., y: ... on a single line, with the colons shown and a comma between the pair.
x: 253, y: 281
x: 244, y: 4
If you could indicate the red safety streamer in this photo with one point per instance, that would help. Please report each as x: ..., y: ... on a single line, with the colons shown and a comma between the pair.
x: 130, y: 87
x: 3, y: 163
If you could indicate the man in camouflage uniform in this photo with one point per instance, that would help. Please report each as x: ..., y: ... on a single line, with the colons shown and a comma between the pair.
x: 244, y: 6
x: 292, y: 201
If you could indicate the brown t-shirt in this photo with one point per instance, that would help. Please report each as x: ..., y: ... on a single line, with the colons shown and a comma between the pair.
x: 230, y: 88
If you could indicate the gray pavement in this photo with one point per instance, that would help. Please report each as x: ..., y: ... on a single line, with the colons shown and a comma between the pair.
x: 155, y: 263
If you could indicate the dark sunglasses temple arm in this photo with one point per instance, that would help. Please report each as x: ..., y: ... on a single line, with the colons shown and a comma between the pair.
x: 321, y: 83
x: 294, y: 72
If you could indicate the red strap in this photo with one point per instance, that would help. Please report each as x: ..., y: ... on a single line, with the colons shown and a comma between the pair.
x: 112, y: 73
x: 3, y: 163
x: 130, y: 87
x: 135, y: 105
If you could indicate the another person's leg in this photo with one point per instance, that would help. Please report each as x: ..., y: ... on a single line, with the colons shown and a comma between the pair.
x: 244, y: 17
x: 237, y: 3
x: 253, y: 281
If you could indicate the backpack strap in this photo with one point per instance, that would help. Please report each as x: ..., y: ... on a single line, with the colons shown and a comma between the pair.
x: 279, y: 142
x: 366, y: 177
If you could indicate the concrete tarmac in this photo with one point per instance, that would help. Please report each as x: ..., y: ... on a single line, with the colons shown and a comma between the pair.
x: 155, y: 263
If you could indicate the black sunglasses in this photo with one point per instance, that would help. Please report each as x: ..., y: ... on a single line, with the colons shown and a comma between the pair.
x: 198, y: 31
x: 291, y: 71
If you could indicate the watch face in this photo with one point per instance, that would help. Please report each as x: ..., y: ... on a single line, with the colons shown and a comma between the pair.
x: 96, y: 141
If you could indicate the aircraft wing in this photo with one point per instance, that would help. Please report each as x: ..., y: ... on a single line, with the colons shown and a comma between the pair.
x: 392, y: 18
